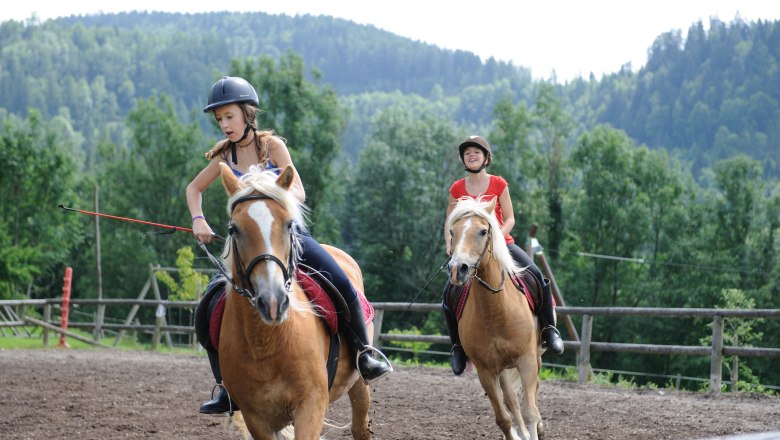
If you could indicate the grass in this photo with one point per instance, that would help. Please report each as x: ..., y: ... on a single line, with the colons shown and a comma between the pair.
x: 9, y: 341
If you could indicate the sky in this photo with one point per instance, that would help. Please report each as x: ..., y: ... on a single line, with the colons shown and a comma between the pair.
x: 567, y: 38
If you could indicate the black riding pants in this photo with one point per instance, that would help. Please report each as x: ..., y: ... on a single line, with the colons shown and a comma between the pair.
x: 316, y: 257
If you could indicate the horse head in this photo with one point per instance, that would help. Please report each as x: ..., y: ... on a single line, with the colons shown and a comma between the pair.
x: 262, y: 247
x: 476, y: 239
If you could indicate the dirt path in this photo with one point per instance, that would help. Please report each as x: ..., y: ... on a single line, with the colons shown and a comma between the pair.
x: 101, y: 394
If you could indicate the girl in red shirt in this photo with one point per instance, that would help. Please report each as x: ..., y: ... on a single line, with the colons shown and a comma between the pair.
x: 476, y: 155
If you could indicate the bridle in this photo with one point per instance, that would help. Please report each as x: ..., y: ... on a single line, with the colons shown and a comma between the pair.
x: 247, y: 290
x: 475, y: 267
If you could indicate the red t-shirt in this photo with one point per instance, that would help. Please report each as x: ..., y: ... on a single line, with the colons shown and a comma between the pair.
x: 495, y: 188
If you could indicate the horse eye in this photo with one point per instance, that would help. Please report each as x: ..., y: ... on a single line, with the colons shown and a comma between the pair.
x: 232, y: 230
x: 483, y: 232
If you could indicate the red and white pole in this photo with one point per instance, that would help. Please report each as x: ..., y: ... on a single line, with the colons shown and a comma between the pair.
x: 65, y: 306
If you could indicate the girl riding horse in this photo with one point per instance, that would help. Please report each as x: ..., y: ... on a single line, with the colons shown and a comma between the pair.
x: 476, y: 155
x: 235, y: 103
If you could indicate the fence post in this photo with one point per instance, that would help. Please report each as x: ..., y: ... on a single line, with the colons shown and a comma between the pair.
x: 716, y: 362
x: 379, y: 314
x: 65, y: 306
x: 101, y: 313
x: 47, y: 319
x: 158, y: 322
x: 735, y: 365
x: 583, y: 358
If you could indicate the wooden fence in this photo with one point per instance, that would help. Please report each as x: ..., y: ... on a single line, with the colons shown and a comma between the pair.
x: 14, y: 318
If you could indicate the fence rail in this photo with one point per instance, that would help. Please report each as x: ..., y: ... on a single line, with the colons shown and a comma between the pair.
x: 584, y: 346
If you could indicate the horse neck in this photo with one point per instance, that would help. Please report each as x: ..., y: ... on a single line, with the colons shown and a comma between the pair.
x: 267, y: 339
x: 490, y: 272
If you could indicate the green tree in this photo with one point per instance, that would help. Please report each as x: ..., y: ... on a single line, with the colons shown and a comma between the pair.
x: 607, y: 219
x: 398, y: 202
x: 515, y: 160
x: 40, y: 172
x: 555, y: 127
x: 147, y: 182
x: 191, y: 283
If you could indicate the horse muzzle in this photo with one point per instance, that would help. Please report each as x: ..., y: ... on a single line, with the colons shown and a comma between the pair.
x: 273, y: 304
x: 459, y: 272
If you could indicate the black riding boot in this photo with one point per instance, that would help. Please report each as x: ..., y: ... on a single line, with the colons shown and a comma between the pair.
x: 369, y: 368
x: 551, y: 338
x: 457, y: 355
x: 221, y: 403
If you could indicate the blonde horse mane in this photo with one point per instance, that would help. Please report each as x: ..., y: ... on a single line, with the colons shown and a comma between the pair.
x: 467, y: 207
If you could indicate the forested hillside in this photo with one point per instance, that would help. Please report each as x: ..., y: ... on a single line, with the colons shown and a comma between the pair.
x: 706, y: 95
x: 674, y: 167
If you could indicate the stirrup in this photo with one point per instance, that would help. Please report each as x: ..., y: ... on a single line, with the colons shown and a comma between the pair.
x: 546, y: 345
x: 371, y: 348
x: 231, y: 411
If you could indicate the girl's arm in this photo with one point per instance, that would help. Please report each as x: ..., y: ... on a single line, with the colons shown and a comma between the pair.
x: 200, y: 227
x: 507, y: 211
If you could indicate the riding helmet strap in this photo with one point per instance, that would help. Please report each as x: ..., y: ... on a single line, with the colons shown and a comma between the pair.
x: 233, y: 155
x: 484, y: 165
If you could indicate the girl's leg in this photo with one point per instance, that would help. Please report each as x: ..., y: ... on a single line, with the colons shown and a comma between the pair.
x: 551, y: 338
x: 316, y: 257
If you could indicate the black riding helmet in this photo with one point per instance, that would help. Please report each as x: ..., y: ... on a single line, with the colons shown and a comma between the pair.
x: 231, y: 90
x: 476, y: 141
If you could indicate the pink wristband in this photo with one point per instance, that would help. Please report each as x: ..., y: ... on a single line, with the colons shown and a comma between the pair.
x: 197, y: 217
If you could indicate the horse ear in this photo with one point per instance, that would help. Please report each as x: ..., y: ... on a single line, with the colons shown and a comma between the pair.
x: 491, y: 205
x: 285, y: 179
x: 229, y: 180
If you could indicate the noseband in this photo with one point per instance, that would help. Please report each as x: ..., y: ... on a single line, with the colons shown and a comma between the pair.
x: 243, y: 275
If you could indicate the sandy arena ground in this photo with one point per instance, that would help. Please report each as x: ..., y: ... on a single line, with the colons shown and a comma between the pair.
x: 107, y: 394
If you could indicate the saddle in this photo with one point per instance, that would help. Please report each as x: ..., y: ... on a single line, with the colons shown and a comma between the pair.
x: 455, y: 297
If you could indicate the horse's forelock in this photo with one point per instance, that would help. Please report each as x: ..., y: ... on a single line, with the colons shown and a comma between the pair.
x: 258, y: 179
x: 467, y: 207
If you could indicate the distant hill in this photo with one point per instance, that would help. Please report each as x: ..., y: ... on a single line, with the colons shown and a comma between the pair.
x: 704, y: 97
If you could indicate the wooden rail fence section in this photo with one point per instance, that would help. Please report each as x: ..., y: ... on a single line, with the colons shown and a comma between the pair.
x: 584, y: 346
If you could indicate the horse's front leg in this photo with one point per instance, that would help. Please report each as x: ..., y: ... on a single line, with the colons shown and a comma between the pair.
x: 529, y: 365
x: 360, y: 400
x: 490, y: 383
x: 510, y: 385
x: 308, y: 418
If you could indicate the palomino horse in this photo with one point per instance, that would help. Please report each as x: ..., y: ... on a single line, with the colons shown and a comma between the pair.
x: 273, y: 347
x: 497, y: 329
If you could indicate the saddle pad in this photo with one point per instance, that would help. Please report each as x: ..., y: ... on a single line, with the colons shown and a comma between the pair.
x: 317, y: 296
x: 324, y: 305
x: 518, y: 280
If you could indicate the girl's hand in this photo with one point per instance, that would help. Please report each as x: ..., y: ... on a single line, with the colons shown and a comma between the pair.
x: 201, y: 230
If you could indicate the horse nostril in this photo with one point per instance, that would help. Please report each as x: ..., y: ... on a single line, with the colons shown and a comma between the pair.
x: 463, y: 269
